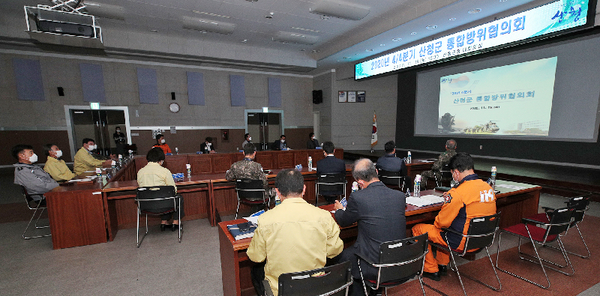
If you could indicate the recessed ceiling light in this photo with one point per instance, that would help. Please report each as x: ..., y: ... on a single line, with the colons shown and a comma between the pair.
x: 369, y: 50
x: 315, y: 50
x: 503, y: 1
x: 245, y: 40
x: 270, y: 15
x: 474, y: 11
x: 413, y: 33
x: 452, y: 19
x: 397, y: 39
x: 431, y: 27
x: 211, y: 14
x: 382, y: 44
x: 324, y: 17
x: 154, y: 30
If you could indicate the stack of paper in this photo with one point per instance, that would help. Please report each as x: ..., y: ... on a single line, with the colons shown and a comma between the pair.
x: 424, y: 200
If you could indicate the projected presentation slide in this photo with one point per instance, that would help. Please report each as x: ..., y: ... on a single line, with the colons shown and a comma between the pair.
x: 514, y: 100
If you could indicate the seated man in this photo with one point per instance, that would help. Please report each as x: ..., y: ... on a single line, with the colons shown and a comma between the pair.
x: 330, y: 165
x: 56, y: 167
x: 247, y: 168
x: 247, y: 140
x: 84, y: 161
x: 293, y: 236
x: 32, y: 177
x: 379, y: 212
x: 279, y: 144
x: 207, y: 146
x: 462, y: 203
x: 442, y: 161
x: 389, y: 162
x: 162, y: 144
x: 154, y: 174
x: 312, y: 143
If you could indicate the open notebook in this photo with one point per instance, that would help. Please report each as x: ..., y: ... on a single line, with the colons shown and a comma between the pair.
x: 424, y: 200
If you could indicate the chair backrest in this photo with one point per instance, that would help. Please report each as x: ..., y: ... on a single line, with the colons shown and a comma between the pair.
x: 330, y: 280
x: 482, y: 231
x: 155, y: 197
x: 331, y: 183
x: 390, y: 178
x: 404, y: 257
x: 560, y: 220
x: 28, y: 198
x: 580, y: 205
x: 250, y: 189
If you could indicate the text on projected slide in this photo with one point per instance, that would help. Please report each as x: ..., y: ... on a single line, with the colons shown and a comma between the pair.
x: 511, y: 100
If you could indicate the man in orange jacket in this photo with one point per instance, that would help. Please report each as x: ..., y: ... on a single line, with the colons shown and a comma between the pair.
x: 472, y: 198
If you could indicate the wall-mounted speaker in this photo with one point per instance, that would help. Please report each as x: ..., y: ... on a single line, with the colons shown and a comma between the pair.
x: 173, y: 96
x: 317, y: 96
x: 61, y: 91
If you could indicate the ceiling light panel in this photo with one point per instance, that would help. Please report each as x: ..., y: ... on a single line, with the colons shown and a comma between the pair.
x: 340, y: 9
x: 207, y: 25
x: 292, y: 37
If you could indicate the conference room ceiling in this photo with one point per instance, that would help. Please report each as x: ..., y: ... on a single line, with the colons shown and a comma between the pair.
x: 280, y: 35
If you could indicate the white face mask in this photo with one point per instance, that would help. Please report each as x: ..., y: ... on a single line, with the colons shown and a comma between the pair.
x: 208, y: 144
x: 33, y: 158
x: 92, y: 147
x: 162, y: 141
x: 282, y: 141
x: 58, y: 153
x: 118, y: 131
x: 249, y: 138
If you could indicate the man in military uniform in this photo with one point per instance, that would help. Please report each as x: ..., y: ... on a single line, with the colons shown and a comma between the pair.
x: 247, y: 168
x: 442, y: 161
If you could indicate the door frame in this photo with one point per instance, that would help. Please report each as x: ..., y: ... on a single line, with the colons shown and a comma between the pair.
x: 73, y: 146
x: 247, y: 111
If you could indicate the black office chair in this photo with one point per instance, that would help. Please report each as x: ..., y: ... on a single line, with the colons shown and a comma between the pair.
x: 399, y: 261
x: 330, y: 185
x: 157, y: 201
x: 330, y: 280
x: 250, y: 192
x: 445, y: 176
x: 560, y: 220
x: 393, y: 179
x: 481, y: 235
x: 38, y: 207
x: 580, y: 205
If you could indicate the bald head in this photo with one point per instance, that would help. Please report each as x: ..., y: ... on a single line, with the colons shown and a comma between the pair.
x: 364, y: 170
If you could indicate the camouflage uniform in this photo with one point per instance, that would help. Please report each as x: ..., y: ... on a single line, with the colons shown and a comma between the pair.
x: 246, y: 169
x: 442, y: 160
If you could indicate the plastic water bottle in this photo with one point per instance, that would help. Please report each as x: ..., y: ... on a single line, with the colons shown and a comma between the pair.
x: 409, y: 158
x: 277, y: 200
x: 310, y: 164
x: 189, y: 170
x: 99, y: 173
x: 417, y: 186
x: 493, y: 178
x: 354, y: 186
x: 176, y: 150
x: 407, y: 192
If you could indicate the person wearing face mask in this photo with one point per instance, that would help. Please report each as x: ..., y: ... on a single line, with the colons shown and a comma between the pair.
x: 472, y: 198
x: 279, y: 144
x: 247, y: 139
x: 120, y: 140
x: 379, y: 212
x: 162, y: 144
x: 56, y: 167
x: 84, y: 161
x: 154, y: 174
x: 32, y: 177
x: 312, y: 143
x: 207, y: 146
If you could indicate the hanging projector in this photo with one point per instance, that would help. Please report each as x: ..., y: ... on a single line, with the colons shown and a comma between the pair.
x: 63, y: 24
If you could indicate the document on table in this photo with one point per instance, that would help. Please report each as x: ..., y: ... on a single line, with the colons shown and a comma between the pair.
x: 424, y: 200
x: 513, y: 187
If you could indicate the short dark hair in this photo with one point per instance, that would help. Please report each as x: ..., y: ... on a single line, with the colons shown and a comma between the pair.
x: 249, y: 149
x: 87, y: 140
x: 117, y: 127
x: 48, y: 148
x: 451, y: 144
x: 158, y: 136
x: 289, y: 181
x: 246, y: 135
x: 17, y: 149
x: 208, y: 139
x: 462, y: 161
x: 311, y: 134
x: 364, y: 169
x: 328, y: 147
x: 389, y: 147
x: 282, y: 136
x: 155, y: 154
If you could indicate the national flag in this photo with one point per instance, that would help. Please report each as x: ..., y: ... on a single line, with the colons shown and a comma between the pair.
x: 374, y: 132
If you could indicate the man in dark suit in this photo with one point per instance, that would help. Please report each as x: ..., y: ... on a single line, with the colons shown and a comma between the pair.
x: 379, y: 212
x: 389, y: 162
x: 207, y: 147
x: 279, y: 144
x: 330, y: 165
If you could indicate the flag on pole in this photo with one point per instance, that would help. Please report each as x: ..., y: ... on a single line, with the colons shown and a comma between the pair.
x: 374, y: 132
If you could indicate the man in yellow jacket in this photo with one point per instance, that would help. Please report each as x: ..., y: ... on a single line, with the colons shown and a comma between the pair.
x: 56, y: 167
x: 84, y: 161
x: 472, y: 198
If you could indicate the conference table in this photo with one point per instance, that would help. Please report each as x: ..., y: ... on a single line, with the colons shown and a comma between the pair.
x: 84, y: 213
x: 515, y: 200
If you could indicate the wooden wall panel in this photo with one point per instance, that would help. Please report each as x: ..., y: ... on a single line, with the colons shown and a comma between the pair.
x: 201, y: 163
x: 222, y: 162
x: 176, y: 163
x: 266, y: 159
x: 285, y: 160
